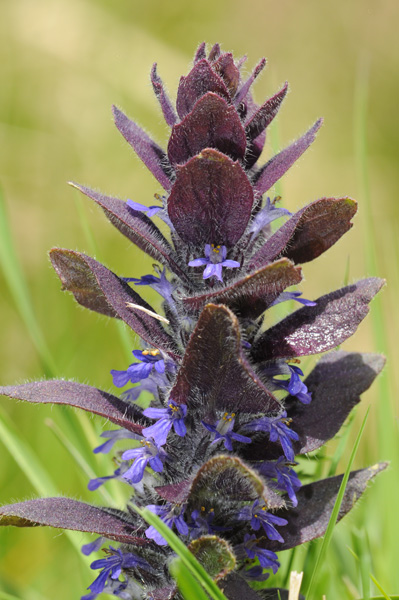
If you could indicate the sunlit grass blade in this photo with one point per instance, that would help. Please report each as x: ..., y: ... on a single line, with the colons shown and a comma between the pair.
x: 188, y: 559
x: 17, y: 285
x: 338, y: 454
x: 32, y: 469
x: 186, y: 582
x: 334, y: 515
x: 78, y: 458
x: 5, y: 596
x: 378, y: 585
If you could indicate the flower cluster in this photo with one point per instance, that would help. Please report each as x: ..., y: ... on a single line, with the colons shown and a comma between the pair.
x: 213, y: 455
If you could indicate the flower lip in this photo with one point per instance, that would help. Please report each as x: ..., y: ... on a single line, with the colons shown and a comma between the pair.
x: 224, y: 431
x: 214, y: 261
x: 173, y: 415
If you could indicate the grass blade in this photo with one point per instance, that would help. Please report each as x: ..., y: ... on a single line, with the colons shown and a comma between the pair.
x: 188, y: 559
x: 17, y: 285
x: 378, y: 585
x: 334, y: 515
x: 33, y: 470
x: 186, y: 582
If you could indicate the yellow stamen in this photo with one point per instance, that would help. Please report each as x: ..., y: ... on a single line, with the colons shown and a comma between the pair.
x: 151, y: 352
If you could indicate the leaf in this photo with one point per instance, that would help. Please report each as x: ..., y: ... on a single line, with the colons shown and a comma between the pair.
x: 226, y: 478
x: 253, y: 294
x: 215, y: 373
x: 309, y: 232
x: 80, y: 396
x: 226, y: 68
x: 214, y: 554
x: 211, y: 200
x: 338, y: 506
x: 244, y: 89
x: 265, y: 114
x: 159, y: 90
x: 279, y: 164
x: 212, y: 123
x: 99, y: 289
x: 236, y: 588
x: 336, y: 384
x: 65, y: 513
x: 175, y: 492
x: 138, y: 228
x: 200, y: 80
x: 150, y: 153
x: 309, y: 520
x: 314, y: 329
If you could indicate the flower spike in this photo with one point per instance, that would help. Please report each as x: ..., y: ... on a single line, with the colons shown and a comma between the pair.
x: 217, y: 406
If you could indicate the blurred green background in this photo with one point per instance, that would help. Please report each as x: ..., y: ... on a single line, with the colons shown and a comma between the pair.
x: 64, y: 62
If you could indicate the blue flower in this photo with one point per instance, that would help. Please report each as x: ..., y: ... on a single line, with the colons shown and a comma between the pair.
x: 259, y: 516
x: 112, y: 567
x: 224, y: 431
x: 266, y: 215
x: 287, y: 479
x: 151, y: 384
x: 149, y: 453
x: 87, y: 549
x: 215, y: 259
x: 254, y: 574
x: 294, y: 385
x: 170, y: 514
x: 149, y: 360
x: 173, y: 415
x: 267, y: 558
x: 284, y: 296
x: 95, y: 483
x: 160, y: 284
x: 202, y: 523
x: 278, y: 430
x: 155, y: 209
x: 112, y: 437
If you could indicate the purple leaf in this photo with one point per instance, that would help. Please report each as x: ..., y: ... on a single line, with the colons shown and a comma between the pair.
x: 336, y: 384
x: 166, y: 105
x: 199, y: 81
x: 65, y: 513
x: 175, y: 492
x: 164, y: 593
x: 150, y: 153
x: 244, y: 89
x: 226, y: 68
x: 314, y: 329
x: 309, y: 232
x: 279, y: 164
x: 214, y: 53
x: 200, y: 53
x: 218, y: 371
x: 310, y: 518
x: 211, y: 124
x: 254, y: 293
x: 236, y: 588
x: 78, y: 395
x: 228, y: 478
x: 99, y: 289
x: 138, y: 228
x: 265, y: 114
x: 211, y: 200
